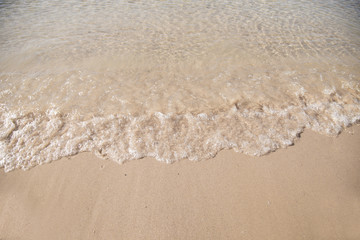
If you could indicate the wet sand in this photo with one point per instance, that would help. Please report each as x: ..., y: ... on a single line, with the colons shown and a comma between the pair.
x: 308, y: 191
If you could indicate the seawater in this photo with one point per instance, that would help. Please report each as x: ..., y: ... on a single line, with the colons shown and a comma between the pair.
x: 173, y: 79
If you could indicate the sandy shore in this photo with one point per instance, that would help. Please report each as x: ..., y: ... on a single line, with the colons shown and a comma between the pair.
x: 308, y: 191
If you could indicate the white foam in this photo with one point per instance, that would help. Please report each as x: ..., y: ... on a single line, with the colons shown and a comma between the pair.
x: 36, y: 138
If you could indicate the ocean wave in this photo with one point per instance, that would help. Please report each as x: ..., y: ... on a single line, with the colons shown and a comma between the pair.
x: 33, y: 138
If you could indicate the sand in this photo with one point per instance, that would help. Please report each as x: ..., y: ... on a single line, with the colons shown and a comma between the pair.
x: 308, y: 191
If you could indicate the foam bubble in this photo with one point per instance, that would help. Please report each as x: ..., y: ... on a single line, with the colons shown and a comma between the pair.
x: 30, y: 139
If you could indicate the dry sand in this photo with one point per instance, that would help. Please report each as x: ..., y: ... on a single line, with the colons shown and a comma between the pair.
x: 308, y: 191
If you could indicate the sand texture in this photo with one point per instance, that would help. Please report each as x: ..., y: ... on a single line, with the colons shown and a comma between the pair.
x: 308, y: 191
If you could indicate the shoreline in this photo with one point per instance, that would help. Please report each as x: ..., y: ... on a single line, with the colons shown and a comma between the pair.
x: 33, y: 139
x: 306, y: 191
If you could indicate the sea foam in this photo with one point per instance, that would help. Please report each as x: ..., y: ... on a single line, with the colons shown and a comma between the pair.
x: 30, y: 139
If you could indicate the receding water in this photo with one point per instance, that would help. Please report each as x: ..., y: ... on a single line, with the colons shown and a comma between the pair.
x: 173, y: 79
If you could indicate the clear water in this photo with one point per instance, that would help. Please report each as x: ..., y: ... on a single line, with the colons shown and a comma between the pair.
x: 173, y: 79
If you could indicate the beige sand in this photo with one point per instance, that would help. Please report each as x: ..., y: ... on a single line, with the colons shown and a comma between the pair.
x: 308, y: 191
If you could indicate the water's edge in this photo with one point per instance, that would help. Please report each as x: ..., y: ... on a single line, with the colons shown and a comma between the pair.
x: 30, y: 139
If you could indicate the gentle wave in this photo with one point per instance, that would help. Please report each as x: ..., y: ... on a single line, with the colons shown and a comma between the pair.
x: 30, y: 139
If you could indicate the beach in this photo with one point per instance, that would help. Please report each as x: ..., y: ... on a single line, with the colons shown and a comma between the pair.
x: 307, y: 191
x: 176, y: 119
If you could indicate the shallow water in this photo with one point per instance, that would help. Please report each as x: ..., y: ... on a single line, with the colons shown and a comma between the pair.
x: 173, y: 79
